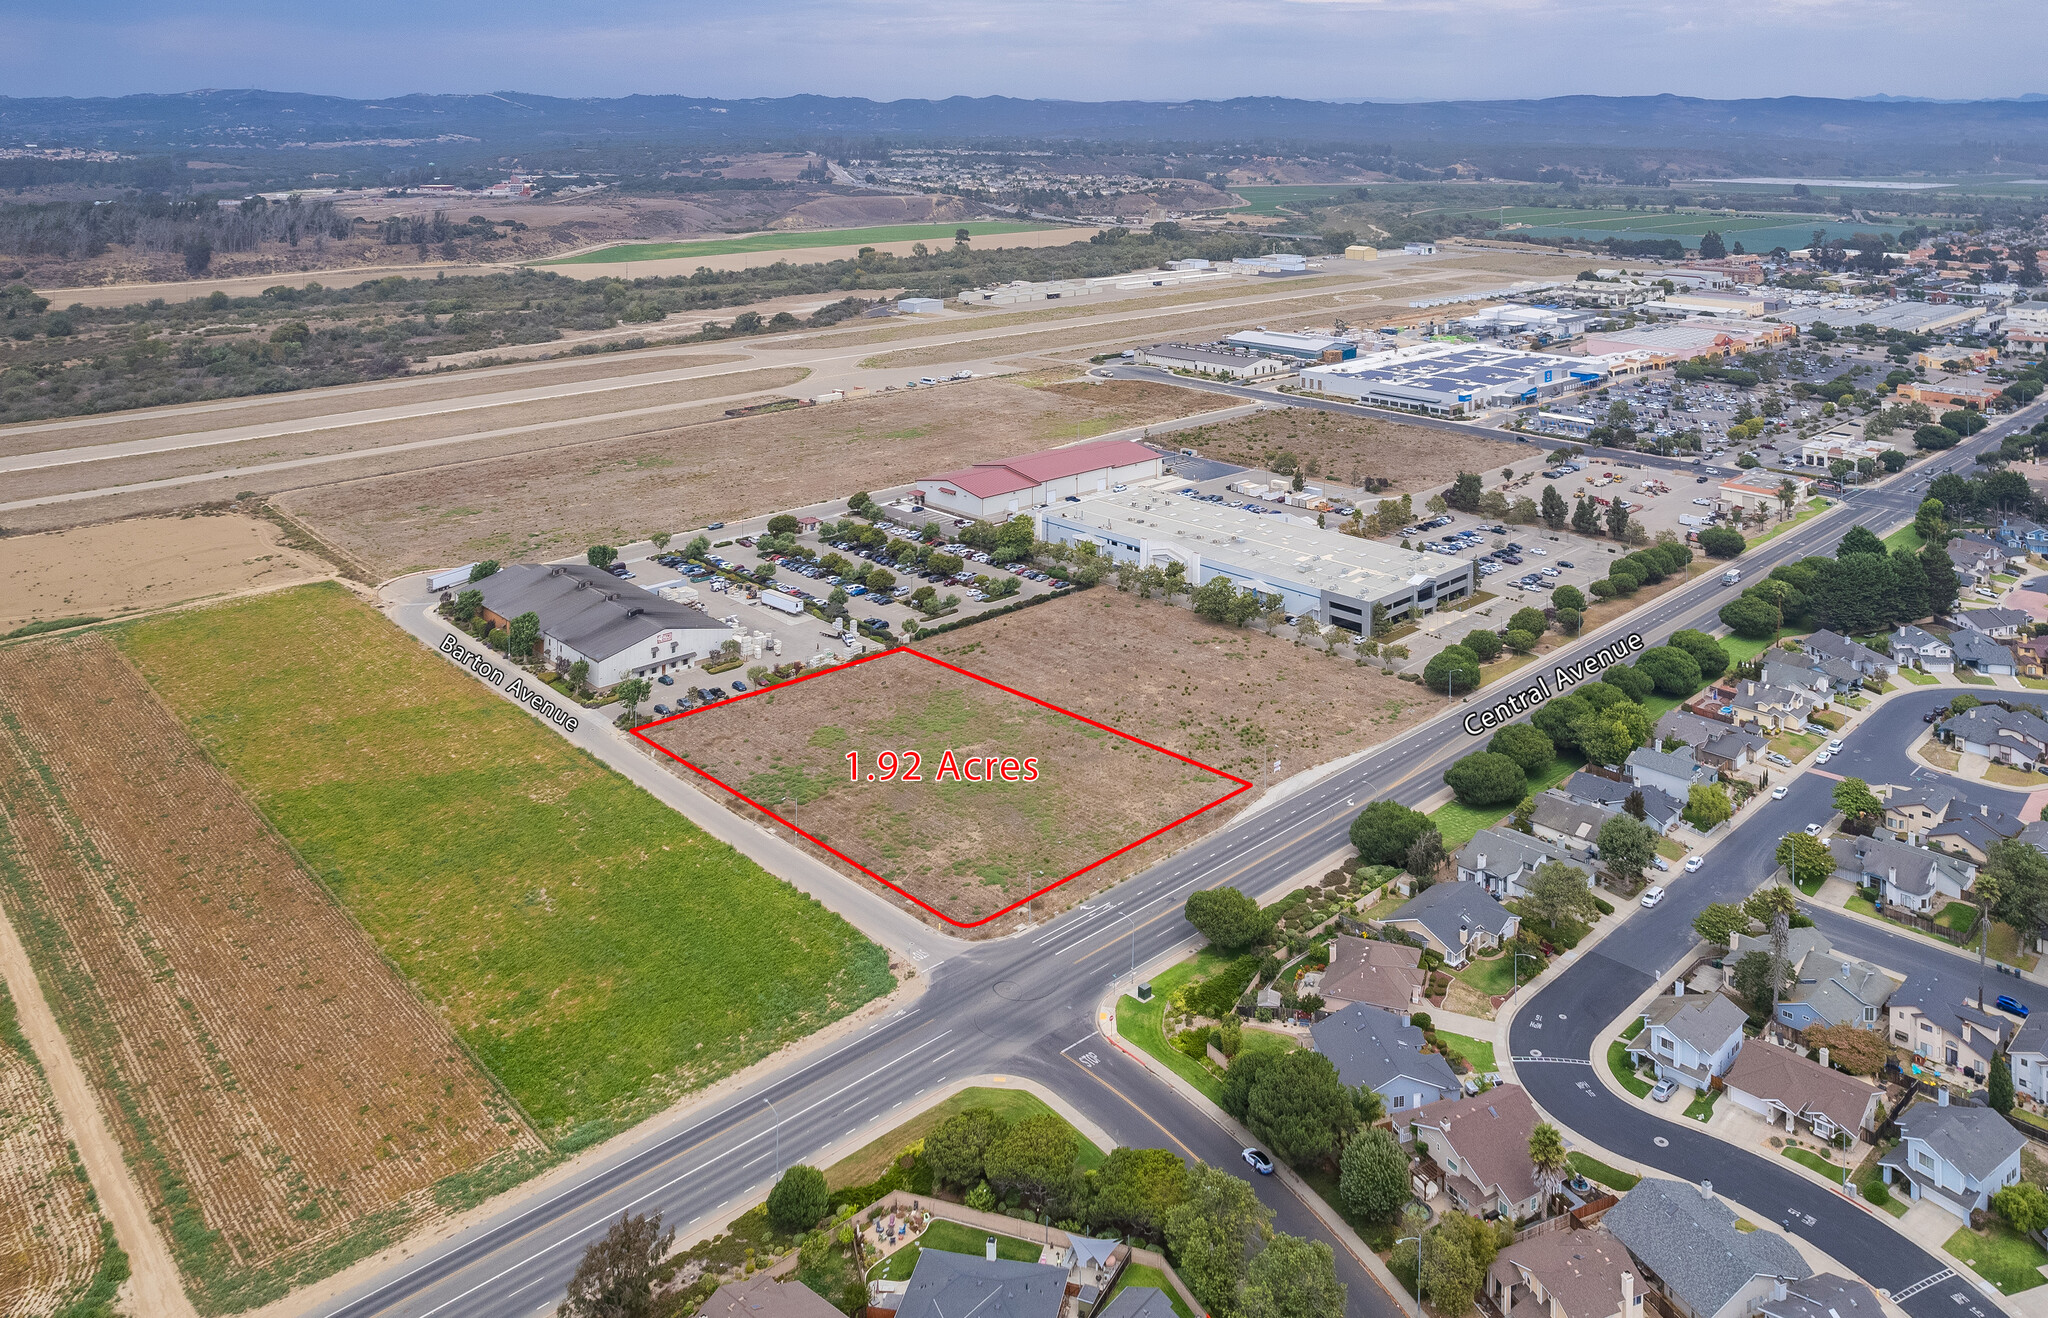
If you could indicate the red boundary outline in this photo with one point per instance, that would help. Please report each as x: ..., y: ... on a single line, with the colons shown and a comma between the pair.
x: 1243, y: 784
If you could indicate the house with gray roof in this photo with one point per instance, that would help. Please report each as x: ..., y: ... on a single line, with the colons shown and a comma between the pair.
x: 1913, y: 648
x: 1685, y: 1241
x: 1568, y: 823
x: 1502, y: 860
x: 2021, y: 534
x: 1834, y: 988
x: 1376, y: 1048
x: 1980, y: 654
x: 1917, y: 878
x: 1660, y: 810
x: 1456, y: 919
x: 763, y: 1296
x: 1777, y: 669
x: 948, y: 1285
x: 1147, y: 1302
x: 1825, y: 644
x: 1970, y: 834
x: 1674, y: 773
x: 1719, y: 745
x: 1689, y: 1037
x: 1911, y: 811
x: 2013, y: 737
x: 1385, y: 974
x: 1953, y: 1156
x: 1823, y: 1296
x: 1937, y: 1015
x: 1998, y: 624
x: 2028, y: 1053
x: 587, y: 613
x: 1772, y: 708
x: 1565, y: 1274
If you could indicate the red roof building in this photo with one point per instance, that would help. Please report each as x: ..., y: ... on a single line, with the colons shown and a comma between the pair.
x: 1013, y: 485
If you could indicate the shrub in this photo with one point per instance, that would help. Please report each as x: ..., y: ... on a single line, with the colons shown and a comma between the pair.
x: 1486, y: 779
x: 798, y: 1200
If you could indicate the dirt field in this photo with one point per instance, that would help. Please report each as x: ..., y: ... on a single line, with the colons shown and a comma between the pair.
x: 280, y: 1093
x: 545, y: 504
x: 1352, y: 448
x: 52, y: 1238
x: 148, y: 563
x: 1074, y: 793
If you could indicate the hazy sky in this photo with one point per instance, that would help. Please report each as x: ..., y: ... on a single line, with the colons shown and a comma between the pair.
x: 1068, y: 49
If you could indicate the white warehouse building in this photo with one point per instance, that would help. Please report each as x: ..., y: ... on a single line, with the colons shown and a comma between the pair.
x: 1327, y: 575
x: 587, y: 613
x: 1452, y: 379
x: 1002, y: 489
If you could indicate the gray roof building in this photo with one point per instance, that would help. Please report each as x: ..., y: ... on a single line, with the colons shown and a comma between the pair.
x: 1823, y: 1295
x: 1376, y: 1048
x: 1660, y: 809
x: 1912, y: 871
x: 1982, y: 653
x: 1456, y: 915
x: 1975, y: 833
x: 1830, y: 645
x: 587, y: 613
x: 1997, y: 728
x: 1687, y: 1238
x: 945, y: 1285
x: 1570, y: 822
x: 1502, y: 859
x: 1704, y: 1020
x: 1151, y: 1302
x: 1835, y: 989
x: 1975, y: 1139
x: 762, y: 1296
x: 1999, y: 623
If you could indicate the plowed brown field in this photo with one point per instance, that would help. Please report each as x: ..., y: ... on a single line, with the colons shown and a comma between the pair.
x: 52, y: 1237
x: 285, y: 1100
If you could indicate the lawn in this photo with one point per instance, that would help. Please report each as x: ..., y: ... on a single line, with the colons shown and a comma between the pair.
x: 1973, y: 679
x: 1794, y: 746
x: 953, y: 1238
x: 598, y: 953
x: 871, y: 1161
x: 1459, y: 823
x: 1670, y: 848
x: 1618, y: 1062
x: 1906, y: 537
x: 1742, y: 649
x: 1918, y: 678
x: 1957, y: 916
x: 2005, y: 1258
x: 794, y: 239
x: 1137, y: 1274
x: 1702, y: 1105
x: 1495, y: 977
x: 1478, y: 1052
x: 1601, y: 1174
x: 1999, y: 773
x: 1813, y: 509
x: 1144, y: 1023
x: 1812, y: 1161
x: 2035, y: 683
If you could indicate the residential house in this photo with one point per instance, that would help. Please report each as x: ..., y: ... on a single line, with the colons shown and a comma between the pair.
x: 1998, y: 624
x: 762, y: 1296
x: 1862, y: 658
x: 1914, y: 648
x: 1977, y: 559
x: 1686, y: 1244
x: 1660, y: 810
x: 1771, y: 708
x: 1970, y: 835
x: 2021, y: 535
x: 2032, y: 656
x: 948, y: 1285
x: 1911, y: 811
x: 1374, y: 971
x: 1457, y: 920
x: 1916, y: 878
x: 2004, y: 736
x: 1953, y: 1156
x: 1834, y: 988
x: 1374, y: 1047
x: 1822, y: 1296
x: 2028, y: 1053
x: 1502, y: 860
x: 1939, y: 1018
x: 1482, y: 1143
x: 1151, y: 1302
x: 1779, y: 1084
x: 1565, y: 1274
x: 1690, y: 1037
x: 1718, y: 745
x: 1801, y: 676
x: 1674, y: 773
x: 1559, y: 819
x: 1980, y: 654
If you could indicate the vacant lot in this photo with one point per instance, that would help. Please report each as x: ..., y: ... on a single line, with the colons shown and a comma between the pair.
x: 940, y: 234
x: 598, y: 953
x: 969, y: 848
x: 1233, y: 698
x: 1352, y: 449
x: 147, y: 563
x: 273, y: 1082
x: 546, y: 504
x: 53, y: 1241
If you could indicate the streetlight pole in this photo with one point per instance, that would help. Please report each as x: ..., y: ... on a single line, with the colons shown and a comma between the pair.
x: 1516, y: 972
x: 778, y: 1138
x: 1131, y: 916
x: 1417, y: 1238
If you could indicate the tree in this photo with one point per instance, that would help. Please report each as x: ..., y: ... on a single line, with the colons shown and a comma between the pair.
x: 1484, y: 645
x: 1675, y: 672
x: 1529, y: 620
x: 1136, y: 1189
x: 489, y: 567
x: 630, y: 692
x: 1568, y: 597
x: 1719, y: 922
x: 1756, y: 985
x: 660, y: 539
x: 879, y: 579
x: 1617, y: 520
x: 1226, y: 917
x: 1373, y: 1177
x: 1485, y: 779
x: 957, y: 1152
x: 1942, y: 584
x: 1385, y: 830
x: 1519, y: 641
x: 1708, y: 653
x: 1034, y: 1160
x: 1427, y: 855
x: 1787, y: 492
x: 1626, y: 847
x: 579, y: 674
x: 1586, y: 516
x: 1557, y: 894
x: 1909, y: 587
x: 1547, y: 1159
x: 615, y: 1277
x: 799, y: 1200
x: 1854, y: 798
x: 1722, y: 541
x: 1806, y: 859
x: 1998, y: 1093
x: 1300, y: 1108
x: 1933, y: 439
x: 2023, y: 1204
x: 1293, y: 1278
x: 1766, y: 904
x: 1857, y: 1051
x: 1632, y: 679
x: 1556, y: 513
x: 1451, y: 670
x: 1860, y: 540
x: 1712, y: 248
x: 524, y: 634
x: 2016, y: 872
x: 783, y: 524
x: 1526, y: 745
x: 1751, y: 616
x: 1604, y: 737
x: 1456, y: 1253
x: 1464, y: 492
x: 467, y: 605
x: 1931, y: 521
x: 1707, y: 804
x: 1213, y: 1234
x: 601, y: 555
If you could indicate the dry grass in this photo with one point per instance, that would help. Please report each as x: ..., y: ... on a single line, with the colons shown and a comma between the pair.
x: 546, y: 504
x: 52, y: 1237
x: 1350, y: 449
x: 273, y: 1083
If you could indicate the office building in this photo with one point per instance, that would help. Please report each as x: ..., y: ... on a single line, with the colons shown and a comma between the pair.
x: 1002, y: 489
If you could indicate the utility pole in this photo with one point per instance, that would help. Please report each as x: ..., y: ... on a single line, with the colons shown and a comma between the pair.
x: 778, y: 1135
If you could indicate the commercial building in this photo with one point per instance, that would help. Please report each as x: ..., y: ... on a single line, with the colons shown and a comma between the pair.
x: 1757, y: 497
x: 1418, y: 249
x: 1744, y: 306
x: 1214, y: 359
x: 1842, y: 444
x: 1014, y: 485
x: 1298, y: 347
x: 1334, y: 578
x: 1563, y: 423
x: 912, y: 306
x: 1452, y: 379
x: 1685, y: 340
x: 1512, y: 318
x: 587, y: 613
x: 1360, y: 252
x: 1948, y: 393
x: 1274, y: 263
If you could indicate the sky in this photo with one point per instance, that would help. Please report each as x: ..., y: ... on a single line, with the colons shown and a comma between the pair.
x: 1062, y: 49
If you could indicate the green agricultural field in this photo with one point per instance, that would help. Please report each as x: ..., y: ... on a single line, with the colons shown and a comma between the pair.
x: 1278, y: 199
x: 598, y: 953
x: 789, y: 240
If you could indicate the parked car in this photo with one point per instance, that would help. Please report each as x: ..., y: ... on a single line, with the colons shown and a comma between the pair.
x: 1776, y: 758
x: 1662, y: 864
x: 2006, y: 1002
x: 738, y: 685
x: 1834, y: 745
x: 1652, y: 895
x: 1663, y: 1090
x: 666, y: 680
x: 1258, y: 1162
x: 1777, y: 793
x: 1823, y: 757
x: 1693, y: 863
x: 1813, y: 830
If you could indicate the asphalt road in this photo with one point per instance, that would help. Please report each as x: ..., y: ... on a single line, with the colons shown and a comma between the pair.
x: 1024, y: 1007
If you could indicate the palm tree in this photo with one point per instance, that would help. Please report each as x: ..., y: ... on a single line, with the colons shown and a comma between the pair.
x: 1787, y: 492
x: 1547, y: 1158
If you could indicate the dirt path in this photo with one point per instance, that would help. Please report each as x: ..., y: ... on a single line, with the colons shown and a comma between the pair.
x: 154, y: 1288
